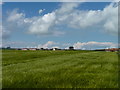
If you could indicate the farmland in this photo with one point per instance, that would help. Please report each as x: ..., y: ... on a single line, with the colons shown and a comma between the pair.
x: 59, y: 69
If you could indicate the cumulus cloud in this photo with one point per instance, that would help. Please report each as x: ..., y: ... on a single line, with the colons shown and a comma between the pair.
x: 67, y: 7
x: 111, y: 16
x: 14, y: 22
x: 41, y: 10
x: 15, y: 16
x: 105, y: 19
x: 94, y: 45
x: 43, y: 24
x: 49, y: 44
x: 91, y: 45
x: 79, y: 45
x: 67, y: 15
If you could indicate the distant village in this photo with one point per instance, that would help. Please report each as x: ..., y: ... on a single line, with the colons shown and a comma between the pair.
x: 70, y: 48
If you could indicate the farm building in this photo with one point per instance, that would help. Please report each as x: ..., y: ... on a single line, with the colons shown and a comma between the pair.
x: 71, y: 48
x: 112, y: 49
x: 32, y: 49
x: 24, y: 49
x: 99, y: 50
x: 55, y: 49
x: 41, y: 48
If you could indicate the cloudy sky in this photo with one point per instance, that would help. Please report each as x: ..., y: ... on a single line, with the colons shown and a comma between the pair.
x: 88, y: 25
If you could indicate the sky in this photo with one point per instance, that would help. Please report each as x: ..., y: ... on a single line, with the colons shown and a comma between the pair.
x: 84, y: 25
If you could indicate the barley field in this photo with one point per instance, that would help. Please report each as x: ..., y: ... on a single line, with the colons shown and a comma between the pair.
x: 59, y: 69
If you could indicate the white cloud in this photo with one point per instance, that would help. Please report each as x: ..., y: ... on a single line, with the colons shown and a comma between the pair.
x: 67, y: 7
x: 79, y: 45
x: 55, y: 47
x: 15, y: 16
x: 41, y: 10
x: 105, y: 19
x: 40, y: 25
x: 111, y: 17
x: 49, y: 44
x: 94, y: 45
x: 43, y: 24
x: 91, y: 45
x: 69, y: 16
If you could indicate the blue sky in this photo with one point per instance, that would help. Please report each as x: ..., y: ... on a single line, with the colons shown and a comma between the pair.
x: 55, y: 24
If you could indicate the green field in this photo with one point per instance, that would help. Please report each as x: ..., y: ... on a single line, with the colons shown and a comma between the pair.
x: 59, y: 69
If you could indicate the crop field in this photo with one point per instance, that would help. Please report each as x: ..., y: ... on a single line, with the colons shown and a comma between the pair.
x: 59, y: 69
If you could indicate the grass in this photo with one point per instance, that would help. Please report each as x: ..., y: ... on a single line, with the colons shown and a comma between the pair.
x: 59, y: 69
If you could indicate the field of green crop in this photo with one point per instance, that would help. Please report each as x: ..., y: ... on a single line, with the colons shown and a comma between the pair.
x: 59, y: 69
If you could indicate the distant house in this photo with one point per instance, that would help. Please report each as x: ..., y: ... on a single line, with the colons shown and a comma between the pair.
x: 41, y: 48
x: 18, y: 49
x: 112, y: 49
x: 99, y: 50
x: 55, y: 49
x: 32, y: 48
x: 71, y: 48
x: 24, y: 49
